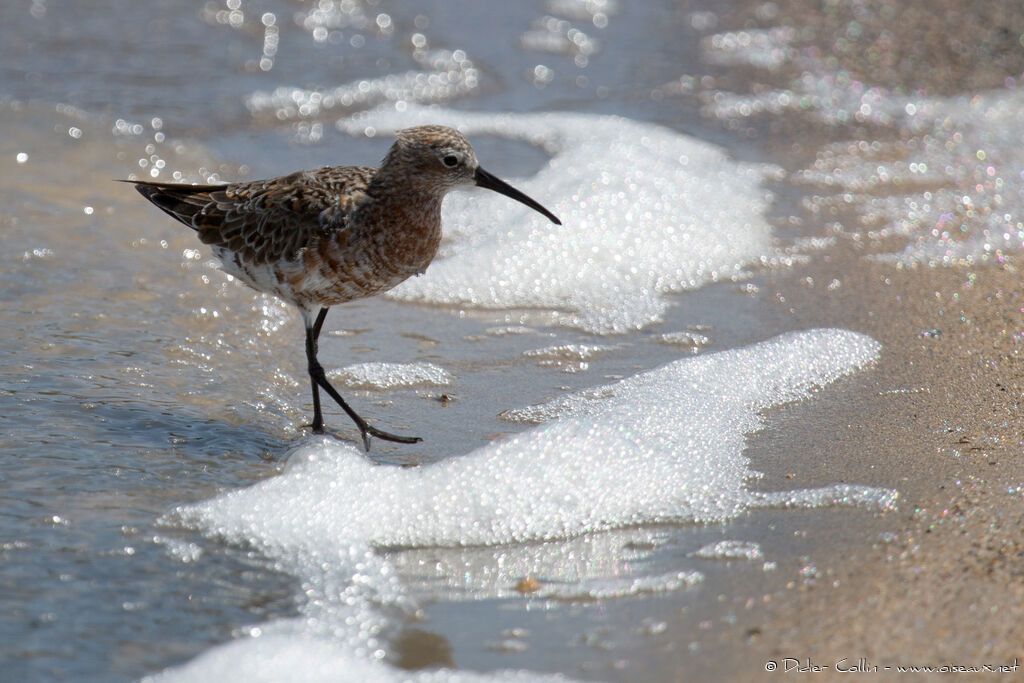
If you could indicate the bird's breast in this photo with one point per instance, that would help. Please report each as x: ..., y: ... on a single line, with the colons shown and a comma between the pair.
x: 368, y: 258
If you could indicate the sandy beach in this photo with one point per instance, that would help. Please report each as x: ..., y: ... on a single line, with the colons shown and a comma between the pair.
x: 947, y: 589
x: 937, y: 583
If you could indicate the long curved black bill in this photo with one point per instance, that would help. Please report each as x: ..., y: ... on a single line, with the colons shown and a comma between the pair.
x: 485, y: 179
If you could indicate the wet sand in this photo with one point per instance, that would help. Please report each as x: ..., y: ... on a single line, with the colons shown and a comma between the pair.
x: 948, y: 588
x: 939, y: 582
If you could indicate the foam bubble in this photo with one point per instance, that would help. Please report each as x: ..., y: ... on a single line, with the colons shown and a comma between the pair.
x: 505, y: 330
x: 947, y: 179
x: 567, y: 357
x: 448, y: 74
x: 731, y: 550
x: 604, y: 589
x: 685, y: 339
x: 665, y: 445
x: 303, y: 659
x: 662, y: 446
x: 577, y: 352
x: 391, y: 375
x: 766, y: 49
x: 851, y: 495
x: 646, y: 211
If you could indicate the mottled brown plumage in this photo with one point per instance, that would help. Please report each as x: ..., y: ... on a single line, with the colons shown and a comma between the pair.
x: 324, y: 237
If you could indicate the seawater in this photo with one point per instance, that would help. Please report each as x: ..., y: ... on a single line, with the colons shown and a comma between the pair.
x: 585, y: 393
x: 210, y: 379
x: 664, y: 446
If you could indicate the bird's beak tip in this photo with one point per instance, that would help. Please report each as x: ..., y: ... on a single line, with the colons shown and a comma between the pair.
x: 486, y: 180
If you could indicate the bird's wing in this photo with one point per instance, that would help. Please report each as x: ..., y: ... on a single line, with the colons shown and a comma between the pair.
x: 265, y: 220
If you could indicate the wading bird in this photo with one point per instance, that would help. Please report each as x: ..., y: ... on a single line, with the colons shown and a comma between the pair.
x: 320, y: 238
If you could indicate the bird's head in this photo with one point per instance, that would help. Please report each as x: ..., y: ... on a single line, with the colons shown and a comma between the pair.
x: 442, y: 159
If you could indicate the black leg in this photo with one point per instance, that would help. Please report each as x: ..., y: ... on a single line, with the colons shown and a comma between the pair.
x: 319, y: 379
x: 318, y: 325
x: 312, y: 349
x: 312, y: 364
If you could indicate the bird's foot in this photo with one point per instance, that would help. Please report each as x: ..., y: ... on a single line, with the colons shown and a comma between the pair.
x: 315, y: 427
x: 368, y: 431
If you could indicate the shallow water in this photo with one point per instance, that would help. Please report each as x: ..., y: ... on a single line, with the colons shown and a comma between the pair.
x: 143, y: 390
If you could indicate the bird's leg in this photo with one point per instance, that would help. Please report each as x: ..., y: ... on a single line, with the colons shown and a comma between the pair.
x: 365, y: 429
x: 318, y: 325
x: 312, y: 349
x: 319, y: 379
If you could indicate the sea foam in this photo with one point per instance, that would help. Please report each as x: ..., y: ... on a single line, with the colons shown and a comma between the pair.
x: 376, y: 375
x: 946, y: 177
x: 645, y: 210
x: 662, y: 446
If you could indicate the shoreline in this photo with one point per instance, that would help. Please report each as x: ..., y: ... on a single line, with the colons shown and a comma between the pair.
x: 940, y: 581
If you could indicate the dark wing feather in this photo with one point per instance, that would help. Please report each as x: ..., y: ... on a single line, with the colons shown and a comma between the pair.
x: 265, y: 220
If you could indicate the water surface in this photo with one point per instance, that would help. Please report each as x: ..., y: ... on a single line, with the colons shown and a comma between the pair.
x: 692, y: 151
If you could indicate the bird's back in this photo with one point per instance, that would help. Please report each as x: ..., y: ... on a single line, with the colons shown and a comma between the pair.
x: 265, y: 221
x: 302, y: 237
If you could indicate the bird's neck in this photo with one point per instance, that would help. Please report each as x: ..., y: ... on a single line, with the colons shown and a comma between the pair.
x: 403, y: 222
x: 401, y: 206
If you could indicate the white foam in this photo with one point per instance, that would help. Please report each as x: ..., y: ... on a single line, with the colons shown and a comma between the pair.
x: 305, y: 659
x: 830, y: 97
x: 767, y: 49
x: 850, y: 495
x: 570, y: 358
x: 391, y: 375
x: 505, y: 330
x: 955, y: 190
x: 608, y: 588
x: 448, y: 74
x: 183, y: 551
x: 686, y: 339
x: 645, y: 211
x: 551, y: 34
x: 731, y: 550
x: 577, y: 352
x: 663, y: 446
x: 588, y: 10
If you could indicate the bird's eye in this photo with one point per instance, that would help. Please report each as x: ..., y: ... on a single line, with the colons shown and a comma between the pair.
x: 450, y: 160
